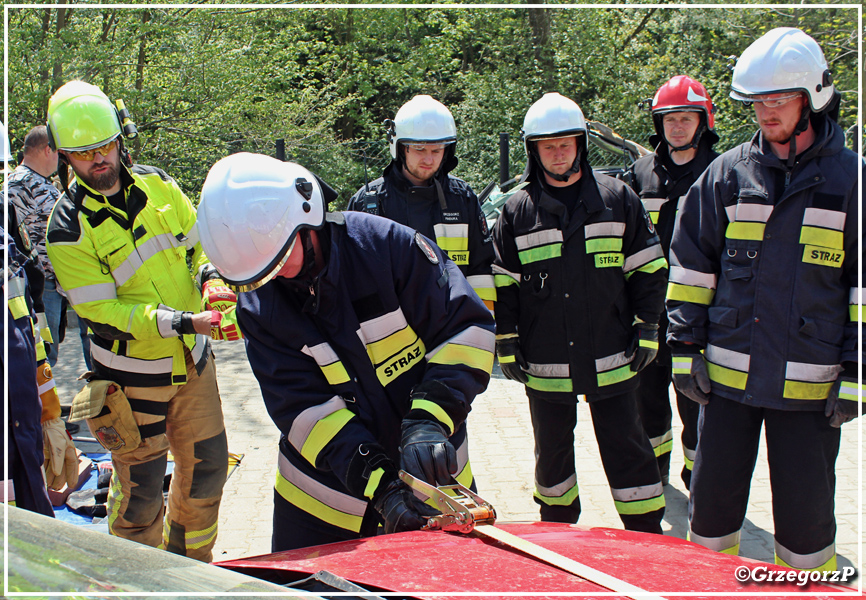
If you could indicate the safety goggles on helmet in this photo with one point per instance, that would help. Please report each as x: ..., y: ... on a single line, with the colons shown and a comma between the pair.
x: 768, y: 100
x: 422, y: 146
x: 89, y: 154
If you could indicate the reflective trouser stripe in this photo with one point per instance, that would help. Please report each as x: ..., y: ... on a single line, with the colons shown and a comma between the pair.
x: 689, y: 458
x: 726, y: 544
x: 563, y: 494
x: 638, y: 500
x: 823, y: 560
x: 663, y: 444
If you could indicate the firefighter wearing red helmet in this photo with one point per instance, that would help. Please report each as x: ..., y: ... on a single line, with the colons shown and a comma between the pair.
x: 683, y: 116
x: 765, y: 306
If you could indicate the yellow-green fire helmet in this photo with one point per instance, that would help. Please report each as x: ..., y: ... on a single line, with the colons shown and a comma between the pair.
x: 80, y: 117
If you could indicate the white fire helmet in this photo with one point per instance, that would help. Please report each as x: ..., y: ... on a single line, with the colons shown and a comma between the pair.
x: 422, y: 120
x: 784, y: 59
x: 252, y: 208
x: 553, y: 116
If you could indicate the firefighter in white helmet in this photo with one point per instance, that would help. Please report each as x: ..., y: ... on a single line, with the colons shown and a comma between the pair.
x: 764, y: 305
x: 684, y: 118
x: 417, y: 190
x: 124, y: 245
x: 580, y: 278
x: 368, y: 345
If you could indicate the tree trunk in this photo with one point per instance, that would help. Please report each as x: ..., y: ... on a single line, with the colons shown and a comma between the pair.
x: 539, y: 23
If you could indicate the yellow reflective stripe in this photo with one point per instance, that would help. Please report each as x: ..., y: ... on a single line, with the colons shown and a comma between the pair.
x: 389, y: 346
x: 323, y: 432
x: 456, y: 244
x: 594, y: 245
x: 648, y: 344
x: 296, y: 496
x: 18, y: 307
x: 801, y: 390
x: 437, y: 411
x: 504, y: 360
x: 540, y: 253
x: 486, y: 293
x: 503, y: 280
x: 335, y: 373
x: 465, y: 477
x: 855, y: 313
x: 198, y: 539
x: 373, y: 482
x: 654, y: 216
x: 851, y: 390
x: 742, y: 230
x: 725, y: 376
x: 650, y: 267
x: 458, y: 354
x: 544, y: 384
x: 565, y: 499
x: 640, y: 507
x: 823, y: 560
x: 826, y: 238
x: 40, y: 352
x: 690, y: 293
x: 615, y: 376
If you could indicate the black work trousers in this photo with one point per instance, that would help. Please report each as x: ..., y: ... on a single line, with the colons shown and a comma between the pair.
x: 626, y: 455
x: 801, y: 452
x: 656, y: 416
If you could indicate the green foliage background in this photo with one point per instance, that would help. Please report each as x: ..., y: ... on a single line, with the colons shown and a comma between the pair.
x: 204, y: 82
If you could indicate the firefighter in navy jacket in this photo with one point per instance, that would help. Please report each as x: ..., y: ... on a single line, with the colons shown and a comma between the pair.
x: 368, y: 344
x: 580, y: 281
x: 765, y: 262
x: 418, y: 191
x: 682, y: 114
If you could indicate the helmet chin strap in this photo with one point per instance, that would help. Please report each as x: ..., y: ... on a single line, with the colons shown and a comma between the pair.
x: 802, y: 125
x: 309, y: 254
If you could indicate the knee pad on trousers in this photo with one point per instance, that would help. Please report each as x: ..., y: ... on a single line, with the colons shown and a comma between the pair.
x: 209, y: 474
x: 145, y: 496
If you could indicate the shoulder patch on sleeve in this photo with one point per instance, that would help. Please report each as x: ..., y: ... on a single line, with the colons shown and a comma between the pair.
x: 422, y: 243
x: 649, y: 222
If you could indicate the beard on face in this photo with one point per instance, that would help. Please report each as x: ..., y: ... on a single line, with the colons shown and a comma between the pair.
x: 102, y: 181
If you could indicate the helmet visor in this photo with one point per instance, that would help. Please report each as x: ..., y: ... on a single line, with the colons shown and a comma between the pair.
x: 248, y: 287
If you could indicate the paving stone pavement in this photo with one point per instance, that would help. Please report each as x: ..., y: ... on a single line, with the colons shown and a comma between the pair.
x: 502, y: 458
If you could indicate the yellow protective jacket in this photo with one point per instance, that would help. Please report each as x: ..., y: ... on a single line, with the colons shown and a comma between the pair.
x: 129, y: 275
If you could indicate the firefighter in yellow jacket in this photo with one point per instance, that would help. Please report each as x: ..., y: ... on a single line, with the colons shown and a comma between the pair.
x: 120, y: 239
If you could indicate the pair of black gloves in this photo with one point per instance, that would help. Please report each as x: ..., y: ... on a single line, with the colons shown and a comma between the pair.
x: 692, y: 380
x: 643, y: 348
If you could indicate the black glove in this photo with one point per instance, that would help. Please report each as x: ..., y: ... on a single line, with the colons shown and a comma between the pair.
x: 644, y: 345
x: 511, y: 360
x: 690, y: 373
x: 843, y: 400
x: 400, y: 509
x: 426, y: 453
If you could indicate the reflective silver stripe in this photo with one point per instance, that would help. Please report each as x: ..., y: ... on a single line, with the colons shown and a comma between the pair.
x: 557, y: 490
x: 639, y: 259
x: 111, y: 360
x: 16, y: 287
x: 330, y: 497
x: 612, y: 362
x: 653, y: 204
x: 727, y: 358
x: 681, y: 363
x: 538, y: 238
x: 463, y: 454
x: 810, y: 372
x: 202, y: 343
x: 750, y: 212
x: 46, y: 386
x: 451, y: 230
x: 694, y: 278
x: 820, y: 217
x: 689, y: 453
x: 855, y: 295
x: 548, y: 370
x: 725, y: 542
x: 192, y: 237
x: 850, y: 390
x: 641, y: 492
x: 480, y: 281
x: 140, y: 255
x: 164, y: 317
x: 473, y: 336
x: 381, y: 327
x: 303, y: 424
x: 497, y: 270
x: 805, y: 561
x: 609, y: 229
x: 658, y: 441
x: 92, y: 293
x: 322, y: 353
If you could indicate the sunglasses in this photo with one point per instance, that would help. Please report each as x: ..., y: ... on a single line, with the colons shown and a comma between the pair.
x: 104, y: 150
